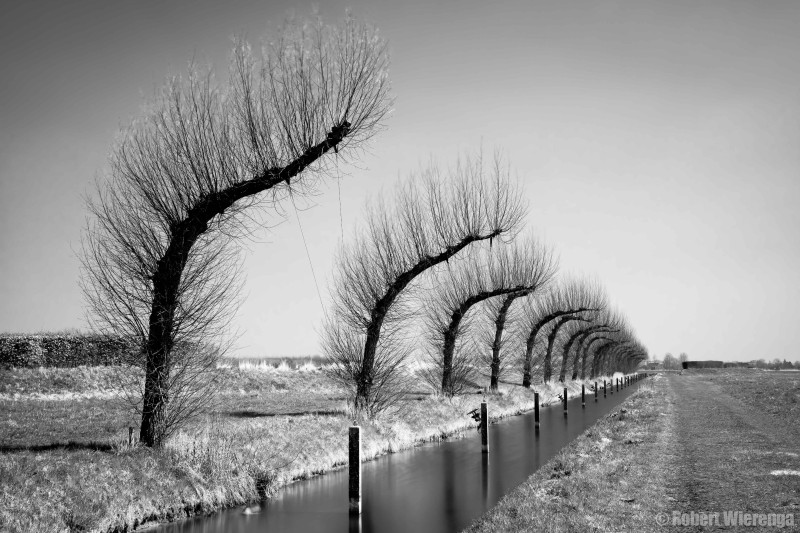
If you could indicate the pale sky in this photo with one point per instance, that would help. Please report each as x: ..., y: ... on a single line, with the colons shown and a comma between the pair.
x: 659, y: 143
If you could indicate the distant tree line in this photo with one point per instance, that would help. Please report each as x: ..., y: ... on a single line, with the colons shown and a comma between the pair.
x: 670, y: 362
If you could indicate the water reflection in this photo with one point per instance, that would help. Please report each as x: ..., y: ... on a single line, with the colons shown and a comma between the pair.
x: 355, y: 523
x: 435, y: 488
x: 485, y: 478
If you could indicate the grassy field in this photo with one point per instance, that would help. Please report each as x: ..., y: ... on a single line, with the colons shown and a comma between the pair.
x: 66, y: 465
x: 711, y: 440
x: 774, y: 392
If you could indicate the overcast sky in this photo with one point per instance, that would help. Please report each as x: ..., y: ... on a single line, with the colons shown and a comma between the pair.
x: 659, y: 143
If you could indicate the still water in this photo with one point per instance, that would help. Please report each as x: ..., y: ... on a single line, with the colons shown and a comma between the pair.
x: 433, y: 488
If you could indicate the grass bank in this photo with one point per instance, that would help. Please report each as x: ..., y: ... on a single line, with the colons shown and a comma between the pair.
x: 609, y: 479
x: 65, y: 464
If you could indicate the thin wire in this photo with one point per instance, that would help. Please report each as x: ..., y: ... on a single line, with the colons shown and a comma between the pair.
x: 339, y: 187
x: 308, y: 255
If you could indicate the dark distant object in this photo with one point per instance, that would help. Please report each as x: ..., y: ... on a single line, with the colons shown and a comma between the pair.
x: 703, y: 364
x: 738, y: 365
x: 475, y: 414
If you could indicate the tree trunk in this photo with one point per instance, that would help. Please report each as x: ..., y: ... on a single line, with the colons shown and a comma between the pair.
x: 551, y: 340
x: 583, y: 366
x: 526, y: 366
x: 167, y: 279
x: 448, y: 349
x: 373, y: 332
x: 500, y: 323
x: 451, y: 333
x: 166, y: 284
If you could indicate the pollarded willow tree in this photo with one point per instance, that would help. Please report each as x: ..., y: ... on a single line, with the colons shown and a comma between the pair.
x: 529, y: 253
x: 565, y: 303
x: 431, y: 219
x: 185, y: 177
x: 614, y: 351
x: 598, y: 322
x: 488, y: 272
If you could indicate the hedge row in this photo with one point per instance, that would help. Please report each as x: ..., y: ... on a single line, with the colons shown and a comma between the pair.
x: 61, y: 350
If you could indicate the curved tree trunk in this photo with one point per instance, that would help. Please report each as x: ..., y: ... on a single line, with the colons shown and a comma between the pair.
x: 599, y: 356
x: 451, y: 333
x: 527, y: 364
x: 595, y: 360
x: 366, y: 378
x: 500, y: 324
x: 570, y: 342
x: 581, y: 354
x: 551, y: 340
x: 167, y: 279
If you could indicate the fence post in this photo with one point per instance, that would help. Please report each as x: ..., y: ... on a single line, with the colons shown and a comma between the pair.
x: 536, y: 410
x: 565, y: 401
x: 484, y: 427
x: 583, y: 395
x: 354, y: 485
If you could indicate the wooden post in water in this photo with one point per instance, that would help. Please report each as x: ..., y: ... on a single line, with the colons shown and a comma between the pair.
x: 583, y: 395
x: 536, y: 410
x: 354, y: 474
x: 604, y: 388
x: 595, y: 391
x: 565, y: 401
x: 484, y: 427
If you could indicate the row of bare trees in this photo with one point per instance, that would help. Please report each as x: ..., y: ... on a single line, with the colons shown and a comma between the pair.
x: 206, y: 160
x: 445, y: 274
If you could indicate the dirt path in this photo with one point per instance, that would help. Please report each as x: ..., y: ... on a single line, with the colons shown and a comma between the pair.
x: 723, y: 455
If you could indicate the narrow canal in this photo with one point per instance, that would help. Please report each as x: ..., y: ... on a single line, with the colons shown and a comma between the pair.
x: 433, y: 488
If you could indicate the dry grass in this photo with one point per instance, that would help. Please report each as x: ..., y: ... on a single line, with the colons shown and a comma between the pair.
x: 606, y: 480
x: 769, y: 391
x: 66, y: 464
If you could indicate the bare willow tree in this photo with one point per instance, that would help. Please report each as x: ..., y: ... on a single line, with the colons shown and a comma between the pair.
x: 561, y: 305
x: 604, y: 321
x: 487, y: 272
x: 157, y: 257
x: 615, y: 327
x: 613, y: 350
x: 430, y: 220
x: 542, y: 264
